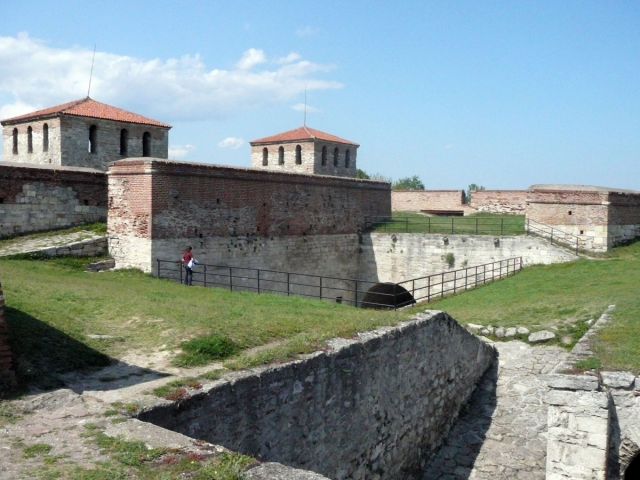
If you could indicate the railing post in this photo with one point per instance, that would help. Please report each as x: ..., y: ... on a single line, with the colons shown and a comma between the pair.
x: 158, y: 270
x: 442, y: 285
x: 205, y: 275
x: 258, y: 276
x: 428, y: 288
x: 413, y: 288
x: 180, y: 267
x: 231, y: 279
x: 288, y: 284
x: 465, y: 279
x: 320, y: 288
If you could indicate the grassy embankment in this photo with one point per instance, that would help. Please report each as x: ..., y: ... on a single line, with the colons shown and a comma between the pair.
x: 564, y: 295
x: 54, y: 306
x: 476, y: 224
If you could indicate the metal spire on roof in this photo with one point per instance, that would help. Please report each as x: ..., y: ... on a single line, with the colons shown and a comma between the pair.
x: 91, y: 74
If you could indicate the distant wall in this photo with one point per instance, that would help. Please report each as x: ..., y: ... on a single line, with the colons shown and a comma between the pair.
x: 500, y: 201
x: 158, y: 207
x: 375, y: 407
x: 418, y: 200
x: 34, y: 198
x: 7, y: 375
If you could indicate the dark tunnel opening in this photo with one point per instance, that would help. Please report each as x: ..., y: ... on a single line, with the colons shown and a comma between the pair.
x: 387, y: 295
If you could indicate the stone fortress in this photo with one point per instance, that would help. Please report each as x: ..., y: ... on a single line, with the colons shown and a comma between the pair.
x: 298, y: 209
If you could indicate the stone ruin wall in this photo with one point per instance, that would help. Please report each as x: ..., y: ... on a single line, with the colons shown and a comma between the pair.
x: 375, y: 407
x: 419, y: 200
x: 37, y: 198
x: 7, y: 375
x: 157, y: 208
x: 500, y: 201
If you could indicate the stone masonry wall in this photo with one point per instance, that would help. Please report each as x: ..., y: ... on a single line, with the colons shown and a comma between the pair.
x: 52, y: 155
x: 75, y: 141
x: 151, y: 200
x: 402, y: 256
x: 7, y: 376
x: 35, y: 198
x: 500, y: 201
x: 417, y: 200
x: 375, y: 407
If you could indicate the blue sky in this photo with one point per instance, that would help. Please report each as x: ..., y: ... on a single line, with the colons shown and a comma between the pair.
x: 503, y: 94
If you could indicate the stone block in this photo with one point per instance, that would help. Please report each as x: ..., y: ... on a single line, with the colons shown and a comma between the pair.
x: 541, y: 336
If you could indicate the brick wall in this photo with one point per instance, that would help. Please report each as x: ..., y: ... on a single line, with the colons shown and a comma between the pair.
x: 500, y: 201
x: 158, y: 202
x: 415, y: 201
x: 35, y: 198
x: 7, y: 376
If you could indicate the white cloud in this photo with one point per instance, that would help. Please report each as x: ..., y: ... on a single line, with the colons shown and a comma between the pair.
x: 299, y: 107
x: 232, y: 143
x: 307, y: 31
x: 34, y: 74
x: 292, y: 57
x: 180, y: 152
x: 251, y: 58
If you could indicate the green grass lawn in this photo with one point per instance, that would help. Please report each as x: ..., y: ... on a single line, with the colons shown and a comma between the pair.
x: 476, y: 224
x: 542, y: 296
x: 54, y: 306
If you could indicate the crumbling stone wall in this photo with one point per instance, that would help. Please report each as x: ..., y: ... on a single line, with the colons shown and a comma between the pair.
x: 35, y: 198
x: 500, y: 201
x: 420, y: 200
x: 7, y: 376
x: 375, y: 407
x: 157, y: 207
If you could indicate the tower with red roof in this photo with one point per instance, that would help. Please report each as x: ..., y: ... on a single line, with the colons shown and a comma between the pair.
x: 82, y: 133
x: 305, y: 150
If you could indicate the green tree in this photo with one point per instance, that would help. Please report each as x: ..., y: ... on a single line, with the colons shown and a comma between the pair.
x: 409, y: 183
x: 362, y: 174
x: 470, y: 189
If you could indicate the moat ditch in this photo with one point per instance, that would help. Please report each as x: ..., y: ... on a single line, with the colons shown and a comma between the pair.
x: 377, y: 406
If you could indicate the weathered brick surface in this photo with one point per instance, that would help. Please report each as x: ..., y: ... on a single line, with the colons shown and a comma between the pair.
x: 7, y: 376
x: 500, y: 201
x: 418, y: 200
x: 34, y: 198
x: 375, y: 407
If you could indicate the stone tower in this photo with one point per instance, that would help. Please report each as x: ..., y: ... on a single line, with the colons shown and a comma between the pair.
x: 305, y: 150
x: 83, y: 133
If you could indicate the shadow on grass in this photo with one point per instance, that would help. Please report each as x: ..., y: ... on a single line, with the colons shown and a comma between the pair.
x: 47, y: 358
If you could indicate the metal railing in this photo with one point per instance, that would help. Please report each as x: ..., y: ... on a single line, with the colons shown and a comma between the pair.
x: 356, y: 292
x: 577, y: 243
x: 470, y: 225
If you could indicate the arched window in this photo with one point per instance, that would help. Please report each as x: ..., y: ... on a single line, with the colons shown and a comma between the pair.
x: 93, y: 131
x: 347, y: 158
x: 30, y: 140
x: 298, y: 155
x: 324, y: 155
x: 124, y: 142
x: 265, y: 156
x: 15, y: 141
x: 281, y: 156
x: 146, y: 144
x: 45, y: 138
x: 335, y: 157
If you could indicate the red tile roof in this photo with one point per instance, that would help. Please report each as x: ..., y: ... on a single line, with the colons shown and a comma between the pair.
x: 87, y: 107
x: 302, y: 133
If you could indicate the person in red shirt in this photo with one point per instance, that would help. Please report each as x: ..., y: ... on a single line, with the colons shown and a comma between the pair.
x: 188, y: 261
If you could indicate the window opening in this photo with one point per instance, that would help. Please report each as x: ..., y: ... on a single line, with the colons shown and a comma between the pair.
x: 324, y: 155
x: 298, y: 155
x: 265, y: 156
x: 124, y: 142
x: 146, y: 144
x: 45, y: 138
x: 93, y: 147
x: 281, y: 156
x: 15, y: 141
x: 335, y: 157
x: 30, y: 140
x: 347, y: 158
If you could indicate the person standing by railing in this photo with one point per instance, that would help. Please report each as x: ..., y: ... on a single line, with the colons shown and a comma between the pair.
x: 188, y: 261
